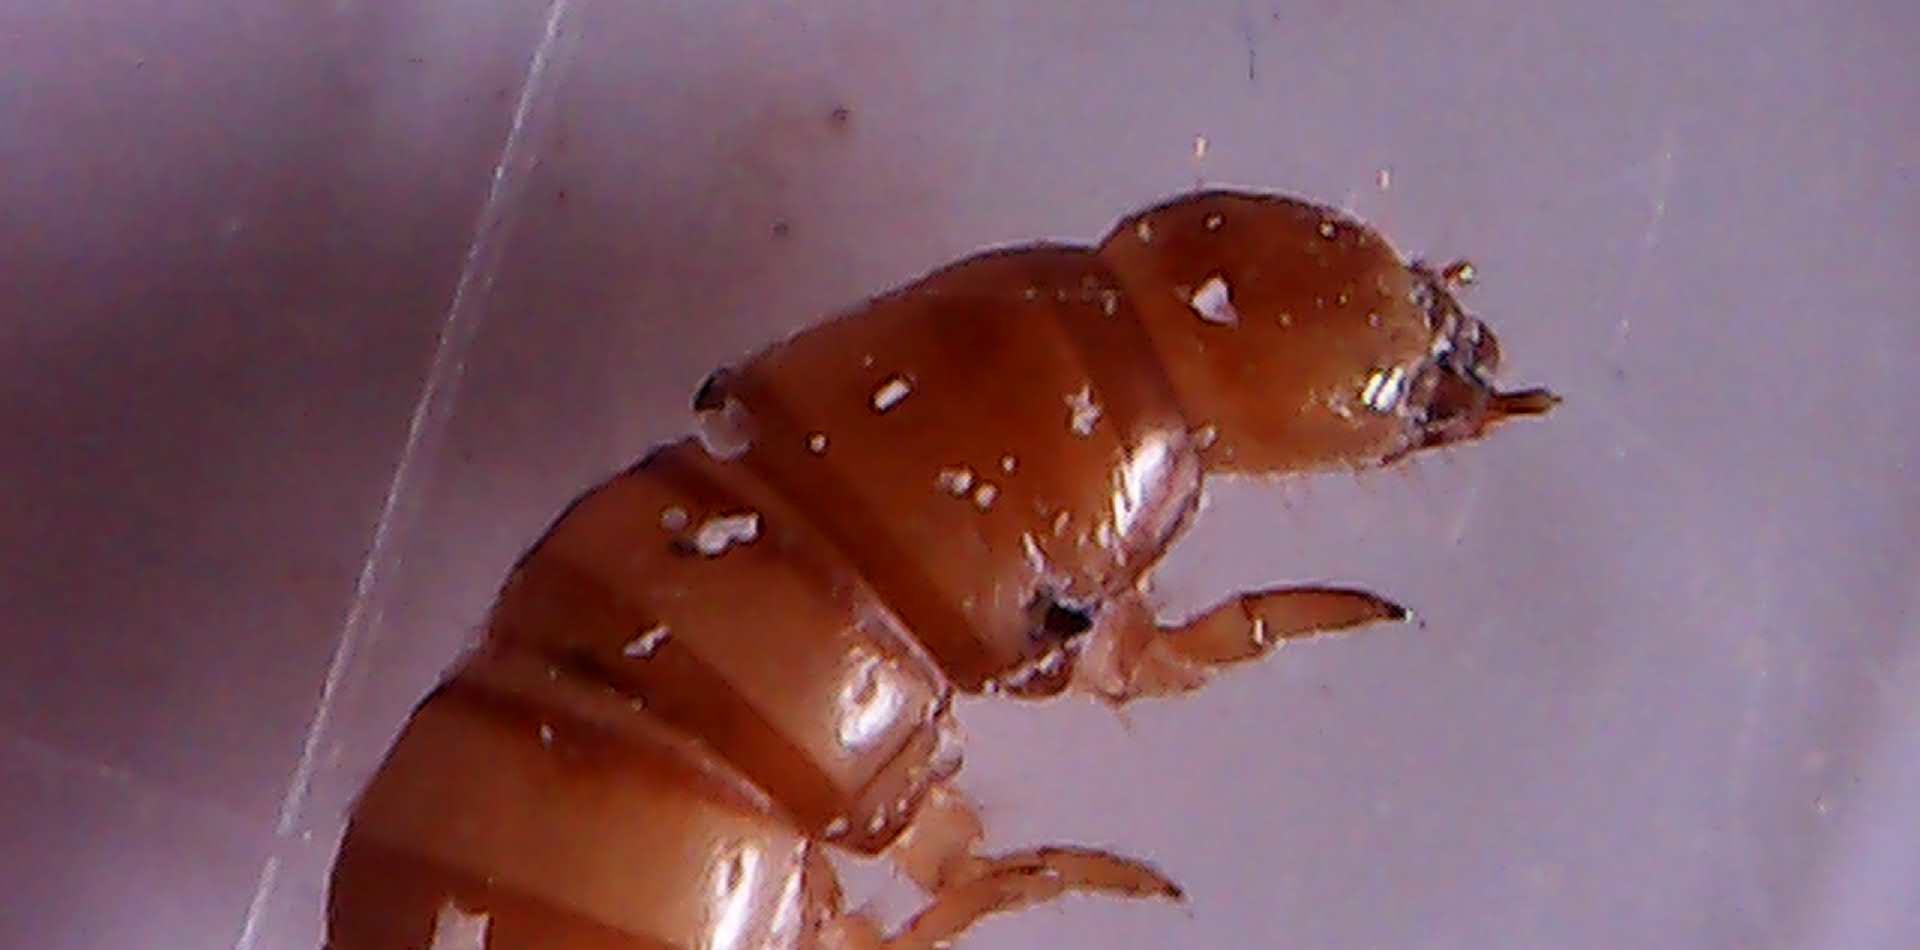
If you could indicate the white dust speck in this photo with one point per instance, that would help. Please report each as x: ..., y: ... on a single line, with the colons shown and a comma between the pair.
x: 817, y: 443
x: 1008, y: 464
x: 955, y: 481
x: 1199, y: 147
x: 455, y: 929
x: 642, y: 646
x: 546, y: 734
x: 1082, y: 412
x: 1144, y: 231
x: 716, y: 535
x: 836, y: 827
x: 1328, y: 229
x: 891, y: 393
x: 1213, y: 221
x: 984, y: 495
x: 1205, y: 436
x: 1213, y: 302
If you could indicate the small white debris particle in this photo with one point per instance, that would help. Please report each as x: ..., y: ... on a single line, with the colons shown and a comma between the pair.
x: 1339, y: 406
x: 817, y: 443
x: 890, y: 393
x: 1384, y: 179
x: 546, y: 734
x: 1031, y: 293
x: 1460, y: 274
x: 716, y: 535
x: 1060, y: 523
x: 1328, y: 230
x: 866, y: 361
x: 877, y: 822
x: 1260, y: 632
x: 1199, y: 146
x: 673, y: 518
x: 984, y: 495
x: 455, y: 929
x: 836, y: 827
x: 1109, y: 302
x: 1213, y: 221
x: 955, y: 481
x: 1008, y: 463
x: 1384, y: 388
x: 1214, y: 302
x: 642, y: 646
x: 1082, y: 412
x: 1144, y: 231
x: 1205, y: 436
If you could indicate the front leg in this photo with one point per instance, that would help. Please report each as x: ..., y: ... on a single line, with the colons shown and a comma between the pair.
x: 1133, y: 655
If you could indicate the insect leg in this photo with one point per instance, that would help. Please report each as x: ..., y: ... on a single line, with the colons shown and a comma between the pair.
x: 1251, y: 625
x: 1143, y: 658
x: 938, y: 851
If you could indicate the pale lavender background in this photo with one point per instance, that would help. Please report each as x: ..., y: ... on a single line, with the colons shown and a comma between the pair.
x: 312, y: 314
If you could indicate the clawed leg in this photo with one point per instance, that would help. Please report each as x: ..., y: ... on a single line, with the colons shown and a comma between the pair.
x: 1128, y: 656
x: 938, y: 852
x: 1135, y: 656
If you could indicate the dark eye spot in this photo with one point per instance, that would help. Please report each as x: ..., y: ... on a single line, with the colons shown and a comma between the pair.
x: 1064, y: 621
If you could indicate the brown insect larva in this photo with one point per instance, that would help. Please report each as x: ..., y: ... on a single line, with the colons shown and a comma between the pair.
x: 741, y: 651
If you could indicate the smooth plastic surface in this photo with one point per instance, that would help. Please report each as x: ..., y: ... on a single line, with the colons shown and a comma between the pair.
x: 313, y: 315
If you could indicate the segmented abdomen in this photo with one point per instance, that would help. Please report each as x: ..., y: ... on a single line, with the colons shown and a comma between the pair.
x: 901, y: 493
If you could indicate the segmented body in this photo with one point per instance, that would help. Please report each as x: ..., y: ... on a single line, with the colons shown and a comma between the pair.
x: 743, y: 648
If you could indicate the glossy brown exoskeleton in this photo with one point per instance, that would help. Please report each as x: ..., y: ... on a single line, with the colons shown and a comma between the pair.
x: 741, y: 651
